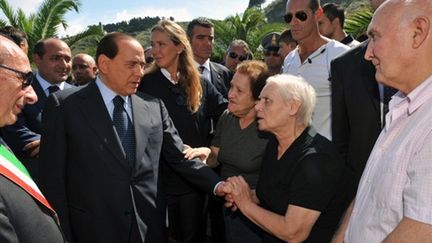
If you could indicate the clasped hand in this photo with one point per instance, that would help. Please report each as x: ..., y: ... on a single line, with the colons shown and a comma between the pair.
x: 237, y: 193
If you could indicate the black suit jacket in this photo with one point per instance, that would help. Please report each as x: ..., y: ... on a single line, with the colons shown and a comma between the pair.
x: 23, y: 219
x: 220, y: 78
x: 99, y: 197
x: 356, y: 115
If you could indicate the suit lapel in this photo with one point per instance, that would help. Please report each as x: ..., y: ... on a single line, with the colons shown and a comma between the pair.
x: 40, y: 93
x: 369, y: 81
x: 142, y: 124
x: 97, y: 116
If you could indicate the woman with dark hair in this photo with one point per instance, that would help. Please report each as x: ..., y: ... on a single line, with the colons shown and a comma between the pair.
x: 238, y: 146
x: 192, y: 103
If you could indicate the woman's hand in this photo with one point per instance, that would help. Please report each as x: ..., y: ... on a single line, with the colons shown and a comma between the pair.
x: 201, y: 152
x: 241, y: 194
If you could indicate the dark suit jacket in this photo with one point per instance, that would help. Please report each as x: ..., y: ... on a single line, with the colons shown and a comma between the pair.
x: 221, y: 78
x: 99, y: 197
x: 23, y: 218
x: 356, y: 121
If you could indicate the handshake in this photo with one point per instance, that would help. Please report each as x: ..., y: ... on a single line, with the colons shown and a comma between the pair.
x: 237, y: 193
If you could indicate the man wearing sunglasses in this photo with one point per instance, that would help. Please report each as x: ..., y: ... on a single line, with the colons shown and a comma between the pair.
x: 238, y: 51
x: 53, y: 61
x: 311, y: 59
x: 272, y: 58
x: 25, y: 215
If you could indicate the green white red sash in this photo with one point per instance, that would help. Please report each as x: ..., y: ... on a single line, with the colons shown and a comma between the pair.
x: 15, y: 171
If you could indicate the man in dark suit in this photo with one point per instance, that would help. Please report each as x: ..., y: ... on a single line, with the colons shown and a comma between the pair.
x: 103, y: 178
x: 53, y: 60
x: 357, y: 109
x: 200, y: 32
x: 25, y: 215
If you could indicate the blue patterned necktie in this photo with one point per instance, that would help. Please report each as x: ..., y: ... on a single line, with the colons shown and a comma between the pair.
x: 125, y: 129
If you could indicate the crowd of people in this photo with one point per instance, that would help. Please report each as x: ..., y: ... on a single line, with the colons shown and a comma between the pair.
x: 326, y: 139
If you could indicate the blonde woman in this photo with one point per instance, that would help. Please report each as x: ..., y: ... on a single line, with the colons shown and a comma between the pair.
x: 191, y: 103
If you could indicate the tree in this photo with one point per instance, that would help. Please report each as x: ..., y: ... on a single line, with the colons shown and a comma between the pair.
x: 255, y: 3
x: 46, y: 21
x: 356, y: 23
x: 251, y: 26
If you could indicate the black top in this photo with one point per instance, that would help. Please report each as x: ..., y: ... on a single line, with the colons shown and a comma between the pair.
x: 309, y: 174
x: 194, y: 129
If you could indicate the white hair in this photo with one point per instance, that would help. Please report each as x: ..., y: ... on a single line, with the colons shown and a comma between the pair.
x: 296, y: 88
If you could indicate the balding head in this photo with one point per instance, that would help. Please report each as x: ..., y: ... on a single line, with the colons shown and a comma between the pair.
x: 14, y: 73
x: 53, y: 60
x: 400, y: 43
x: 83, y: 68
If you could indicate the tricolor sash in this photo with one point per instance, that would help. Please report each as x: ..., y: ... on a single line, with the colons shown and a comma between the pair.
x: 15, y: 171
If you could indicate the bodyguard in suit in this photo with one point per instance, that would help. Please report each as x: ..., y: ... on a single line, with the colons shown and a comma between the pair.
x: 200, y: 32
x: 357, y: 108
x: 104, y: 178
x: 25, y: 214
x: 53, y: 61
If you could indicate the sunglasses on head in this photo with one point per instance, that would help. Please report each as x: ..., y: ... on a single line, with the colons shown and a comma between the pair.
x: 234, y: 55
x: 300, y: 15
x: 27, y: 78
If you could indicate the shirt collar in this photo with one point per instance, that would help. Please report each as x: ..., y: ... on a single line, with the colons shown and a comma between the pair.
x: 168, y: 75
x: 206, y: 65
x: 107, y: 94
x: 45, y: 84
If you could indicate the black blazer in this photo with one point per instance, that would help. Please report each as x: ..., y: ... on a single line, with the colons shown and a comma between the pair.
x: 356, y: 122
x: 23, y: 219
x: 84, y: 174
x: 220, y: 78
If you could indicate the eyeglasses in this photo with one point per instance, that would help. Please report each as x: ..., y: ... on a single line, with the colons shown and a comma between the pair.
x: 235, y: 55
x: 271, y: 53
x: 27, y: 78
x: 179, y: 92
x: 300, y: 15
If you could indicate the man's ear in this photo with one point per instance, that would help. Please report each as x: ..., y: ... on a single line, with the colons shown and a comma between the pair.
x: 36, y: 58
x: 421, y: 31
x: 103, y: 62
x: 318, y: 14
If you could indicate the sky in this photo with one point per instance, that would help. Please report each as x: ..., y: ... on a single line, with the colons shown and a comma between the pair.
x: 109, y: 11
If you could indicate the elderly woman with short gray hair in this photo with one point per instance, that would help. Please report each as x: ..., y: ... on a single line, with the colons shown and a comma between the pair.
x: 299, y: 195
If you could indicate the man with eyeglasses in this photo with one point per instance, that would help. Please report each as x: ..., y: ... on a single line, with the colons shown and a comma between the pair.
x: 84, y: 69
x: 238, y: 51
x: 53, y: 60
x: 311, y: 59
x: 272, y: 58
x: 200, y: 32
x: 25, y: 214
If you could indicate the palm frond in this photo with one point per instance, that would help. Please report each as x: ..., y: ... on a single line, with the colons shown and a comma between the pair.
x: 9, y: 13
x: 50, y: 15
x: 357, y: 23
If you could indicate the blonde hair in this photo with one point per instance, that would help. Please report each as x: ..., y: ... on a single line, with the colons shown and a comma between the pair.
x: 296, y: 88
x: 189, y: 78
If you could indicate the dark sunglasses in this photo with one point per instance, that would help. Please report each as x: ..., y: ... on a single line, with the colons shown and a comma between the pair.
x: 149, y: 60
x: 271, y: 53
x: 179, y: 92
x: 300, y: 15
x: 27, y: 78
x: 234, y: 55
